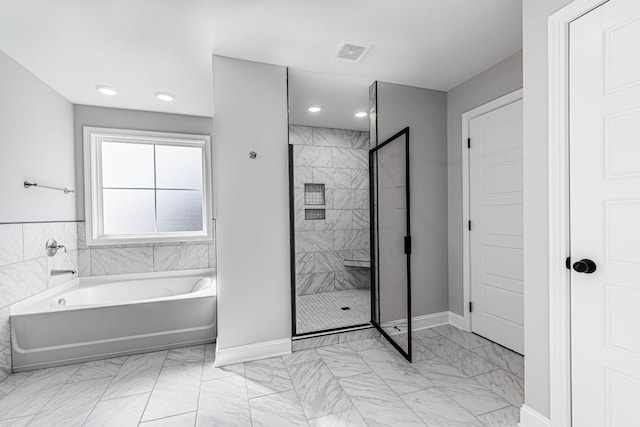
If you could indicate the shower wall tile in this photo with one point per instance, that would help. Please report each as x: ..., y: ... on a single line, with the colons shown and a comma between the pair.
x: 36, y: 235
x: 5, y: 363
x: 298, y: 198
x: 21, y: 280
x: 302, y: 175
x: 314, y: 241
x: 82, y: 235
x: 351, y: 239
x: 305, y: 263
x: 359, y: 199
x: 301, y: 223
x: 353, y: 278
x: 70, y: 236
x: 350, y: 199
x: 84, y: 262
x: 180, y: 257
x: 5, y: 328
x: 342, y: 199
x: 331, y: 260
x: 213, y: 259
x: 304, y: 155
x: 332, y: 177
x: 300, y: 135
x: 360, y: 179
x: 11, y: 244
x: 343, y: 138
x: 329, y: 198
x: 361, y: 219
x: 362, y: 254
x: 350, y: 158
x: 361, y: 140
x: 121, y: 260
x: 314, y: 283
x: 335, y: 220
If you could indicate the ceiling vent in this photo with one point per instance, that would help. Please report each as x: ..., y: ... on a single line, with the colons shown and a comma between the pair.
x: 352, y: 51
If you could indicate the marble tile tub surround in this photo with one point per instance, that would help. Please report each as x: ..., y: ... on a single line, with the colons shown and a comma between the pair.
x: 143, y: 258
x: 358, y: 383
x: 24, y: 269
x: 338, y: 159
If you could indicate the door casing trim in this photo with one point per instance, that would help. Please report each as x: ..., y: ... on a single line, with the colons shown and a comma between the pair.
x: 559, y: 226
x: 503, y: 101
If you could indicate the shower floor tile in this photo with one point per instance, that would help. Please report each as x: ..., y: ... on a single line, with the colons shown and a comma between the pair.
x: 318, y: 312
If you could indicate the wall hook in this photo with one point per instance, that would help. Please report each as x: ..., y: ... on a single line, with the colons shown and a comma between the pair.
x: 253, y: 155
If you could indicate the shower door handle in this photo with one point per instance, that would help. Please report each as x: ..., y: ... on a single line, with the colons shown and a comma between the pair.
x: 407, y: 244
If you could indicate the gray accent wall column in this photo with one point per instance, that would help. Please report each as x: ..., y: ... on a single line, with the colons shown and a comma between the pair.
x: 425, y: 112
x: 251, y: 202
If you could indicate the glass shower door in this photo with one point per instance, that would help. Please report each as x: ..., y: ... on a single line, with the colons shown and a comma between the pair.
x: 391, y: 241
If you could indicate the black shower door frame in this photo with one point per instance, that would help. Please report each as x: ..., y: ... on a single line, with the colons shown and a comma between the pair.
x: 373, y: 210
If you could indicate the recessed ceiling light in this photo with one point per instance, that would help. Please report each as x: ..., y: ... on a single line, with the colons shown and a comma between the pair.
x: 106, y: 90
x: 361, y: 114
x: 165, y: 96
x: 314, y: 108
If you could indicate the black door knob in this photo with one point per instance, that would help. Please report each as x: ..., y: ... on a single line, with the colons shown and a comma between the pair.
x: 585, y: 266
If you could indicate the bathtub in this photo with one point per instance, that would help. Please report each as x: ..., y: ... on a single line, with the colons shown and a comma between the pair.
x: 99, y: 317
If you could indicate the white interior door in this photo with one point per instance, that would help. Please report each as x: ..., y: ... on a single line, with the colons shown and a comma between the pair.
x: 605, y: 214
x: 496, y: 247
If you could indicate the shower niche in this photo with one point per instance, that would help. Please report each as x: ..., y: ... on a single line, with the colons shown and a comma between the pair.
x: 329, y: 197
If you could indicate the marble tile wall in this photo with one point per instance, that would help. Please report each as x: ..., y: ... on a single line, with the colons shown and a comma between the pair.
x: 142, y: 258
x: 24, y: 269
x: 339, y: 159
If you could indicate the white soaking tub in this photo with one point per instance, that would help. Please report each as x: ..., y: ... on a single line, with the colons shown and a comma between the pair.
x: 107, y: 316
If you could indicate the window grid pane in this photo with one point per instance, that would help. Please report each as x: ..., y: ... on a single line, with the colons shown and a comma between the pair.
x: 186, y: 204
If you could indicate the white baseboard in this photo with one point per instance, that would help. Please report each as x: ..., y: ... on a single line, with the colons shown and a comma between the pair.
x: 429, y: 321
x: 246, y: 353
x: 456, y: 320
x: 263, y: 350
x: 529, y: 417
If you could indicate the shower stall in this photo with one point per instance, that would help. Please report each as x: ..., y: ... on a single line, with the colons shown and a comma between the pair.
x: 329, y: 171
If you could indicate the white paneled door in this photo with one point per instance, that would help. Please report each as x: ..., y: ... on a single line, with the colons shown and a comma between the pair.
x: 495, y: 239
x: 605, y: 215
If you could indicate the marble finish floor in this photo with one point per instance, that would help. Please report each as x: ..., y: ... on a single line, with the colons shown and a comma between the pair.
x: 322, y: 311
x: 458, y: 379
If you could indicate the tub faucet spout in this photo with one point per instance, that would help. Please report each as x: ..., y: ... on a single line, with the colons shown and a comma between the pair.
x: 62, y: 272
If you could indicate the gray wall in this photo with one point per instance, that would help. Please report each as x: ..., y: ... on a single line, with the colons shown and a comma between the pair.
x: 36, y: 143
x: 536, y: 206
x: 499, y: 80
x: 425, y: 112
x: 254, y: 286
x: 339, y: 159
x: 121, y: 259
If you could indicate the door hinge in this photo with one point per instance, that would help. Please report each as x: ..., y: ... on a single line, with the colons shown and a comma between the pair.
x: 407, y: 244
x: 567, y: 262
x: 470, y: 307
x: 469, y: 225
x: 468, y: 142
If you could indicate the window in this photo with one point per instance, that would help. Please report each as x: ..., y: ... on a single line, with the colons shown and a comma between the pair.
x: 146, y: 186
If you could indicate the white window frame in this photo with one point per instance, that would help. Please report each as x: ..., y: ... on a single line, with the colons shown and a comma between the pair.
x: 92, y: 141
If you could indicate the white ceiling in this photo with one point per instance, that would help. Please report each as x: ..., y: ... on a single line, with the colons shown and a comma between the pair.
x: 144, y: 46
x: 340, y: 97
